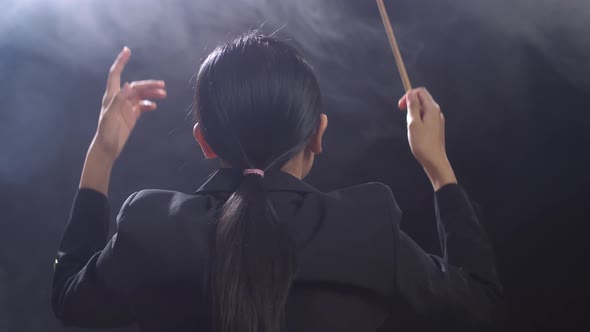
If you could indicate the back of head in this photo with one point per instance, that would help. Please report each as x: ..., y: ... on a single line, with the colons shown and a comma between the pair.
x: 257, y: 103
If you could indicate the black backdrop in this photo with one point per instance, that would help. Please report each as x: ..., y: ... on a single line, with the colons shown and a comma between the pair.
x: 511, y: 76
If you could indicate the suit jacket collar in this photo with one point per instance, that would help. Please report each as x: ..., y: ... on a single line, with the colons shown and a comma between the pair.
x: 228, y: 179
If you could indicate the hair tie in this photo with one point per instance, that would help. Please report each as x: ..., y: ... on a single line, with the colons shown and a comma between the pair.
x: 254, y: 171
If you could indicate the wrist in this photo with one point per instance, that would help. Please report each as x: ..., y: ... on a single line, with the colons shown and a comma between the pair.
x: 100, y: 151
x: 97, y: 169
x: 98, y: 157
x: 440, y: 173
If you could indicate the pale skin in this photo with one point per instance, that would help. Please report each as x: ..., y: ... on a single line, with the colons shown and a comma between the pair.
x: 123, y: 105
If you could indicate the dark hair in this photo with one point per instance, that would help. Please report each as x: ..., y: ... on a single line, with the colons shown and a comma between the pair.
x: 257, y: 102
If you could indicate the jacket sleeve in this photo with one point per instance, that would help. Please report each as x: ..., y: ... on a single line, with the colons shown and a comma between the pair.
x: 462, y: 285
x: 80, y: 296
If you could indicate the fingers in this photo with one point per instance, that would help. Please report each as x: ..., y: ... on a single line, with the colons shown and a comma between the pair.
x: 146, y: 106
x: 149, y: 89
x: 414, y: 107
x: 151, y: 94
x: 148, y: 84
x: 114, y: 80
x: 425, y: 96
x: 429, y: 106
x: 403, y: 103
x: 139, y: 96
x: 420, y: 105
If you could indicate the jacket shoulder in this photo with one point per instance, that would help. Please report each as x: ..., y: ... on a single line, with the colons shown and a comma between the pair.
x: 163, y: 222
x: 375, y: 196
x: 357, y: 232
x: 154, y: 198
x: 369, y: 187
x: 154, y: 204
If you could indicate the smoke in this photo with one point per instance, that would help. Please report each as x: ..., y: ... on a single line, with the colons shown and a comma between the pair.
x: 54, y: 55
x: 345, y: 41
x: 557, y: 29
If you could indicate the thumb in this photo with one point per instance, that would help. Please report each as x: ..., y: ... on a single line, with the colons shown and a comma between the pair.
x: 414, y: 107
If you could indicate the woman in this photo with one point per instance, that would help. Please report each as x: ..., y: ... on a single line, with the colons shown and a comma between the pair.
x: 256, y: 248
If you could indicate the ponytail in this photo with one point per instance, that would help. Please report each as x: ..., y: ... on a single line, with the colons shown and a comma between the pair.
x: 254, y: 262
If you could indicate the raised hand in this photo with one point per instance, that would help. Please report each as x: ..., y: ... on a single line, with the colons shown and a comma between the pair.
x: 122, y: 107
x: 426, y: 135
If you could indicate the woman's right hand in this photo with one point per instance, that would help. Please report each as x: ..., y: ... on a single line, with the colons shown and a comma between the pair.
x: 426, y: 135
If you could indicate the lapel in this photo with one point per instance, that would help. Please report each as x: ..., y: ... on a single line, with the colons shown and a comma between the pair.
x: 228, y: 179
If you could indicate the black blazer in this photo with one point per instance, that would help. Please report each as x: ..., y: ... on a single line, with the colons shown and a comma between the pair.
x: 356, y: 268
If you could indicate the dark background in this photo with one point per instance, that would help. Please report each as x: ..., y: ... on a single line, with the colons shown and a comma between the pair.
x: 511, y: 76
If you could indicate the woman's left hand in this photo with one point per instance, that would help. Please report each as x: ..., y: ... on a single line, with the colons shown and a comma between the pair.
x: 122, y: 107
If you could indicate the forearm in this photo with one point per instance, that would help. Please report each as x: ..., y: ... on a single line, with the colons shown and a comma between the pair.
x: 97, y: 169
x: 79, y: 295
x: 462, y: 284
x: 464, y: 240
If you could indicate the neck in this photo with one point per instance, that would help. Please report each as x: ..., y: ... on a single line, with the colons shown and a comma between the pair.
x: 294, y: 168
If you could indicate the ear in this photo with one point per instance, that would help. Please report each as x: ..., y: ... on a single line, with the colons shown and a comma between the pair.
x: 315, y: 141
x: 207, y: 151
